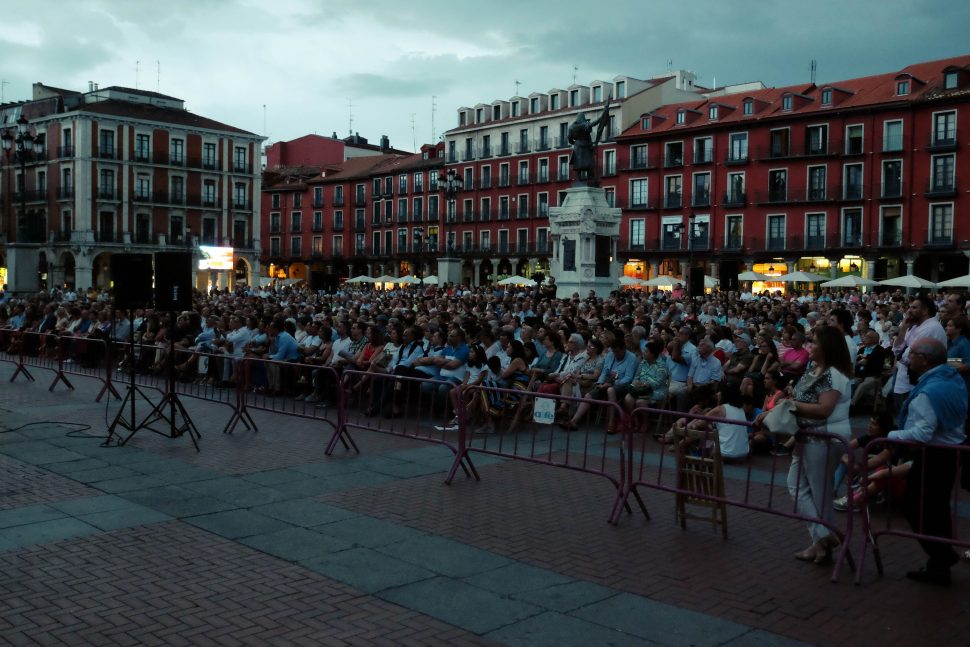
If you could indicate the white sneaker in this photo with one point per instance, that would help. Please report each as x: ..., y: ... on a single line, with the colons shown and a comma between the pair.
x: 446, y: 427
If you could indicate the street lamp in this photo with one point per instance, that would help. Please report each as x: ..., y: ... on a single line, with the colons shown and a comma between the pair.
x: 452, y: 183
x: 690, y: 256
x: 19, y: 143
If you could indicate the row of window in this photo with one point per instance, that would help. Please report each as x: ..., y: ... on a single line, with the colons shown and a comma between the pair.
x: 416, y: 240
x: 381, y: 187
x: 777, y: 237
x: 109, y: 230
x: 555, y: 100
x: 176, y: 151
x: 484, y: 147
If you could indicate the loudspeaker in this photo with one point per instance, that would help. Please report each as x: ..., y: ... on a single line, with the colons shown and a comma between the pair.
x: 728, y: 273
x: 696, y: 282
x: 132, y: 276
x: 173, y: 280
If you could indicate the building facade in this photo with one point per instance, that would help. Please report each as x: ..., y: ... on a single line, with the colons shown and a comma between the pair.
x: 858, y: 176
x: 125, y: 170
x: 512, y: 157
x: 375, y: 214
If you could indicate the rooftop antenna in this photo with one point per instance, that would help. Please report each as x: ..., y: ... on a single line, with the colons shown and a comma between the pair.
x: 350, y: 117
x: 670, y: 64
x: 414, y: 139
x: 136, y: 73
x: 434, y: 108
x: 3, y: 82
x: 264, y: 121
x: 517, y: 84
x: 814, y: 67
x: 575, y: 70
x: 158, y: 76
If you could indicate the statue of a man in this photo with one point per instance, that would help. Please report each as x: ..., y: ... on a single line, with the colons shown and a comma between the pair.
x: 583, y: 158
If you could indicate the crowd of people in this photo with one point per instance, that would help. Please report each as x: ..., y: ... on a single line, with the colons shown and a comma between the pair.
x: 733, y: 356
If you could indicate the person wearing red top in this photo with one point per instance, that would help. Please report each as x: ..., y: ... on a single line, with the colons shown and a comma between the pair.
x: 796, y: 359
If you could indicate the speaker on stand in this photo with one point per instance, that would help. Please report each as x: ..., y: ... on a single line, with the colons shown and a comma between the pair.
x: 696, y: 282
x: 132, y: 276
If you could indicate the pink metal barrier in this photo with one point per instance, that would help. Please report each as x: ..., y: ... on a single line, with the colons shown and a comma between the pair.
x: 921, y: 488
x: 403, y: 406
x: 651, y: 465
x: 63, y: 355
x: 282, y: 387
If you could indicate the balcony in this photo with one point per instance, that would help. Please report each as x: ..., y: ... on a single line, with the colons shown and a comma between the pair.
x: 639, y: 163
x: 673, y: 201
x: 563, y: 176
x: 65, y: 193
x: 523, y: 179
x: 39, y: 195
x: 485, y: 215
x: 853, y: 147
x: 778, y: 195
x: 316, y: 227
x: 821, y: 149
x: 737, y: 158
x: 486, y: 183
x: 503, y: 214
x: 943, y: 142
x: 418, y: 188
x: 891, y: 190
x: 522, y: 214
x: 816, y: 194
x: 210, y: 164
x: 338, y: 225
x: 504, y: 150
x: 633, y: 249
x: 468, y: 216
x: 360, y: 227
x: 703, y: 157
x: 849, y: 239
x: 777, y: 243
x: 941, y: 188
x: 242, y: 167
x: 143, y: 156
x: 175, y: 197
x: 503, y: 181
x: 139, y: 196
x: 890, y: 237
x: 544, y: 145
x: 107, y: 193
x: 673, y: 161
x: 316, y: 204
x: 176, y: 160
x: 641, y: 204
x: 701, y: 199
x: 274, y: 229
x: 338, y: 201
x: 145, y: 238
x: 815, y: 241
x: 850, y: 192
x: 609, y: 171
x: 522, y: 148
x: 468, y: 156
x: 242, y: 205
x: 735, y: 199
x: 402, y: 190
x: 670, y: 242
x: 65, y: 151
x: 938, y: 240
x: 107, y: 153
x: 543, y: 178
x: 209, y: 202
x: 486, y: 152
x: 700, y: 243
x: 360, y: 200
x: 733, y: 243
x: 432, y: 216
x: 108, y: 237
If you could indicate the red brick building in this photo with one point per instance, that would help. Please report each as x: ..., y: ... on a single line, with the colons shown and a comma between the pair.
x: 374, y: 214
x: 857, y: 176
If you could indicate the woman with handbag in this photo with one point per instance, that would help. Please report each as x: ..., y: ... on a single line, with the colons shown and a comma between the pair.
x: 821, y: 398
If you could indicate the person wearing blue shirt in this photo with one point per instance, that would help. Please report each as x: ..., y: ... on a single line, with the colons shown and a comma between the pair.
x: 613, y: 384
x: 705, y: 368
x: 935, y: 412
x: 451, y: 364
x: 958, y: 346
x: 682, y: 352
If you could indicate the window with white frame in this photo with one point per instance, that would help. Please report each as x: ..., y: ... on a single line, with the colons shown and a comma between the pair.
x: 776, y: 232
x: 637, y: 234
x: 852, y: 227
x: 638, y: 193
x: 738, y: 147
x: 733, y: 231
x: 817, y: 139
x: 703, y: 150
x: 892, y: 179
x: 609, y: 162
x: 941, y: 223
x: 815, y: 230
x: 853, y: 139
x: 944, y: 128
x: 942, y: 178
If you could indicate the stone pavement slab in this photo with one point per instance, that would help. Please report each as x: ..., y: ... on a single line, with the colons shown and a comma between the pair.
x: 296, y: 544
x: 43, y: 532
x: 304, y: 512
x: 127, y: 517
x: 566, y: 597
x: 552, y: 629
x: 367, y: 570
x: 236, y: 524
x: 444, y: 556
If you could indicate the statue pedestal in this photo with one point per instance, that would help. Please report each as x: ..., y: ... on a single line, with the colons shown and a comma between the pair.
x: 585, y: 231
x: 449, y: 270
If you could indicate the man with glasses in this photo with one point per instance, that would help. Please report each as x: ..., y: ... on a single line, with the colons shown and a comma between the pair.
x: 920, y: 323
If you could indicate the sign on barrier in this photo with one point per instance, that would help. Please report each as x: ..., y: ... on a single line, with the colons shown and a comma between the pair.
x: 544, y: 411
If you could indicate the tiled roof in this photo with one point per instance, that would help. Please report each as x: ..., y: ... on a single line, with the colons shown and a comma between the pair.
x: 861, y: 92
x: 185, y: 118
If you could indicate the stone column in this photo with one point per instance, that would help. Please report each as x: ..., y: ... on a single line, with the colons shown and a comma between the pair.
x: 654, y: 268
x: 870, y: 268
x: 477, y: 263
x: 909, y: 260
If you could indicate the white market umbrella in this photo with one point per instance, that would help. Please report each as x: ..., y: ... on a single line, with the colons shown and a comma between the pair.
x: 710, y: 282
x: 800, y: 277
x: 410, y: 280
x: 663, y: 281
x: 849, y: 281
x: 292, y: 281
x: 630, y: 280
x: 361, y: 279
x: 754, y: 276
x: 908, y: 281
x: 428, y: 280
x: 959, y: 282
x: 517, y: 280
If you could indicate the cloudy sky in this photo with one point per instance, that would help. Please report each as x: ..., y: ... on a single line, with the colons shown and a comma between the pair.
x: 313, y: 63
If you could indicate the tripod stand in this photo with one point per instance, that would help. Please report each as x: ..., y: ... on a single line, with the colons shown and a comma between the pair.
x: 177, y: 417
x: 134, y: 391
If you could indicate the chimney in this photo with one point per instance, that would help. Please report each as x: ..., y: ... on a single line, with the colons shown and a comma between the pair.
x: 385, y: 144
x: 90, y: 86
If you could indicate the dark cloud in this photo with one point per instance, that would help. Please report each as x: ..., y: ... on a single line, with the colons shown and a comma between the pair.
x: 382, y: 85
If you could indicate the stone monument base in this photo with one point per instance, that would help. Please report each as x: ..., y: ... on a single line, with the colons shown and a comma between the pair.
x: 22, y: 277
x: 585, y: 231
x: 449, y: 271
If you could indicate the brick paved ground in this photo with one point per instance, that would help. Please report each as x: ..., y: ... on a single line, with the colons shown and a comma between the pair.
x: 260, y: 538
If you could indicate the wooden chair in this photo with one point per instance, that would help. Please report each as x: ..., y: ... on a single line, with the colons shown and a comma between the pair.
x: 702, y: 475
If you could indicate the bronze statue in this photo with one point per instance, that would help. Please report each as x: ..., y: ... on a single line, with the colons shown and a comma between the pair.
x: 583, y: 158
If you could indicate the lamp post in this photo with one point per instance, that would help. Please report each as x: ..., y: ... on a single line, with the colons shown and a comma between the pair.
x: 449, y: 267
x: 19, y: 144
x: 690, y: 257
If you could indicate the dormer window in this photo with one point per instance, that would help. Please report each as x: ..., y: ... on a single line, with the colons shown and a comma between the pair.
x: 645, y: 123
x: 479, y: 116
x: 573, y: 98
x: 681, y: 116
x: 712, y: 113
x: 461, y: 118
x: 786, y: 102
x: 554, y: 102
x: 515, y: 108
x: 902, y: 88
x: 950, y: 80
x: 748, y: 107
x: 496, y: 112
x: 533, y: 105
x: 827, y: 97
x: 620, y: 89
